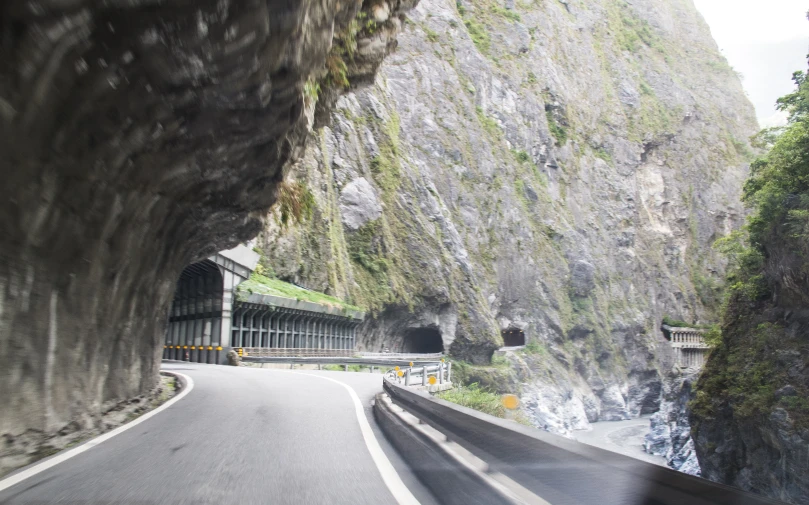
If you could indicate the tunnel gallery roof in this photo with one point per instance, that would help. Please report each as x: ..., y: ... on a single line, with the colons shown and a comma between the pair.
x: 261, y: 290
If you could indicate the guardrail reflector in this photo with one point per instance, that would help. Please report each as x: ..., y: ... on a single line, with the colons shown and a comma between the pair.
x: 399, y: 372
x: 511, y: 402
x: 219, y: 348
x: 210, y: 348
x: 432, y: 380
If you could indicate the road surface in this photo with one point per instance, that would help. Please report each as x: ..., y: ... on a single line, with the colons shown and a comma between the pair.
x: 623, y: 437
x: 241, y: 436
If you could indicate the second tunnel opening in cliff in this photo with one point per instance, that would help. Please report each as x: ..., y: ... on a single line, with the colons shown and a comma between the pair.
x: 422, y: 340
x: 513, y: 338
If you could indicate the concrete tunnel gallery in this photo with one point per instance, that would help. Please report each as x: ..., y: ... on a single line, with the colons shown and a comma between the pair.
x: 206, y: 320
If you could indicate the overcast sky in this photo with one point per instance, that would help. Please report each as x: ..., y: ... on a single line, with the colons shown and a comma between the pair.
x: 765, y: 40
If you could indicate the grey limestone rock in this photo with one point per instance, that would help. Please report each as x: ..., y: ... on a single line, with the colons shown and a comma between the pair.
x: 233, y: 358
x: 533, y: 165
x: 670, y: 431
x: 359, y: 204
x: 582, y: 278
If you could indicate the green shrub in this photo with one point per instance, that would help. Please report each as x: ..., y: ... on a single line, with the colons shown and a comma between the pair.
x: 479, y: 35
x: 295, y: 202
x: 534, y: 347
x: 489, y: 124
x: 522, y: 156
x: 506, y: 13
x: 474, y: 397
x: 558, y: 131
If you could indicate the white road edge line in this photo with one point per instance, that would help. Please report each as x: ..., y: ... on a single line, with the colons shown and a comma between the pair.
x: 389, y: 474
x: 16, y: 478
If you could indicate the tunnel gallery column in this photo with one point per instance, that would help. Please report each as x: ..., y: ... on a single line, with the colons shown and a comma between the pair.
x: 229, y: 283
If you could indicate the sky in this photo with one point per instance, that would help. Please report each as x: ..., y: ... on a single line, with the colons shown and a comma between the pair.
x: 764, y: 40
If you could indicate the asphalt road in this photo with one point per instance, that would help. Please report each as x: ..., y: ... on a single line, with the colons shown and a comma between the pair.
x: 241, y: 436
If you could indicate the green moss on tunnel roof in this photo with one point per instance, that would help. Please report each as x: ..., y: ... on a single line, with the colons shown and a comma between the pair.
x: 261, y: 285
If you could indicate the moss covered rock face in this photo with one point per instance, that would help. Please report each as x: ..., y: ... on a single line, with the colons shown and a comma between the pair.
x: 560, y: 168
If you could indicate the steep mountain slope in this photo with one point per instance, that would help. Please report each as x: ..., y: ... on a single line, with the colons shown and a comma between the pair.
x: 559, y: 168
x: 750, y: 417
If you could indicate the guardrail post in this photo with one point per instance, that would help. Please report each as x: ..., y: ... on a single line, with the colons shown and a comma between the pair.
x: 407, y: 377
x: 440, y: 372
x: 449, y: 371
x: 424, y: 376
x: 346, y: 368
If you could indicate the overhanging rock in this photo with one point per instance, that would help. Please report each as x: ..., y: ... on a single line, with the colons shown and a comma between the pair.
x: 137, y: 137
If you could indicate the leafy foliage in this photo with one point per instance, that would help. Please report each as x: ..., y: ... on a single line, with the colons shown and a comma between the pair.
x: 778, y: 191
x: 746, y: 367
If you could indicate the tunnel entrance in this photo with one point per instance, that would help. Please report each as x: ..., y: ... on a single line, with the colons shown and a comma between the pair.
x: 196, y: 313
x: 423, y: 341
x: 513, y: 338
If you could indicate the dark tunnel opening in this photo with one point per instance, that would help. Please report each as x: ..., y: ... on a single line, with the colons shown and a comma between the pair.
x: 423, y: 340
x: 513, y: 338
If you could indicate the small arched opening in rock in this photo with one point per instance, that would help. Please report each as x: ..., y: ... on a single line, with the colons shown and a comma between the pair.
x: 423, y: 340
x: 513, y: 338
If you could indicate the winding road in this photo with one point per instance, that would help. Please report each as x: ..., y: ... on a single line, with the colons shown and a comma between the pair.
x: 242, y: 436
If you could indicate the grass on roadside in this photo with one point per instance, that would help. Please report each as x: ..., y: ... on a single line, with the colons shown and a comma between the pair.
x: 341, y: 368
x: 474, y: 397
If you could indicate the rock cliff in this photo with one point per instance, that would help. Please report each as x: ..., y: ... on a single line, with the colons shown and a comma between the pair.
x: 556, y: 168
x: 670, y: 434
x: 750, y: 417
x: 137, y: 136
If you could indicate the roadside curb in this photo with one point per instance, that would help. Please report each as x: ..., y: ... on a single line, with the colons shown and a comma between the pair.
x: 187, y: 384
x: 181, y: 383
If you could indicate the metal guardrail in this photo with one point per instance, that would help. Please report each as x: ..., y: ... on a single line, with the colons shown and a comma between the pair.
x: 335, y: 360
x: 424, y: 375
x: 402, y: 355
x: 289, y: 352
x: 560, y: 470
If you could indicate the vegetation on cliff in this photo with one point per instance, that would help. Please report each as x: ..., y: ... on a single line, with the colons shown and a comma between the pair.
x: 770, y: 268
x: 750, y: 417
x: 262, y: 285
